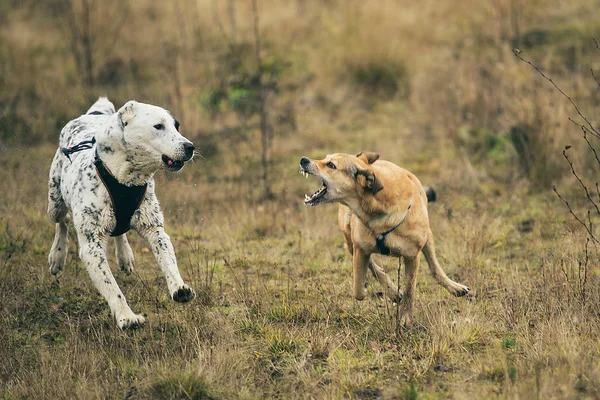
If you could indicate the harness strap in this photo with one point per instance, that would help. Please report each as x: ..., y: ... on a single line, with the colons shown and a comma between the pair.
x: 85, y: 145
x: 125, y: 199
x: 380, y: 239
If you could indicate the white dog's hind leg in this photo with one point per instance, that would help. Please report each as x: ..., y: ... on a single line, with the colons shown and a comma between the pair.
x: 57, y: 211
x: 124, y: 254
x: 93, y: 255
x: 59, y: 250
x: 165, y: 255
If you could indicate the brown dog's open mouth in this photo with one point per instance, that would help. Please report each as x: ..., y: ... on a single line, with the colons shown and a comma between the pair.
x: 318, y: 196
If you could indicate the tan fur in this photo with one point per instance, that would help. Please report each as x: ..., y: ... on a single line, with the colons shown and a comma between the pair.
x: 375, y: 196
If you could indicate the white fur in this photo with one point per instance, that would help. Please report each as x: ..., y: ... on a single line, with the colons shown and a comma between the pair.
x: 132, y: 149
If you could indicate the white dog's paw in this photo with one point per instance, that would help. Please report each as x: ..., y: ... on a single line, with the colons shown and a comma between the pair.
x: 57, y: 260
x: 183, y: 294
x: 125, y: 258
x: 126, y: 265
x: 132, y: 321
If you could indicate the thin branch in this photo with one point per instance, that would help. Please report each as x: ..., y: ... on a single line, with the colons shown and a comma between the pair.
x: 575, y: 215
x: 264, y: 127
x: 232, y: 21
x: 227, y: 38
x: 585, y: 128
x: 590, y: 146
x: 596, y: 79
x: 517, y: 53
x: 118, y: 26
x: 257, y: 34
x: 587, y: 193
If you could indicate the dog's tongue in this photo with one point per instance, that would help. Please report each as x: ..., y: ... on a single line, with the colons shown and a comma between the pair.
x: 170, y: 162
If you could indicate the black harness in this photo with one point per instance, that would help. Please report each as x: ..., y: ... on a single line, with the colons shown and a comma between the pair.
x: 380, y: 239
x: 125, y: 199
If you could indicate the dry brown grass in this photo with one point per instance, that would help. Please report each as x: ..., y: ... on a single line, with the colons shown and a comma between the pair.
x: 433, y: 87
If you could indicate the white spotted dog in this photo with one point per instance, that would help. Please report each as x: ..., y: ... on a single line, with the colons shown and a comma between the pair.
x: 102, y: 174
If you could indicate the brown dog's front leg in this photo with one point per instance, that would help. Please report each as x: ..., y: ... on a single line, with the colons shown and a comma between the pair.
x: 411, y: 268
x: 360, y: 263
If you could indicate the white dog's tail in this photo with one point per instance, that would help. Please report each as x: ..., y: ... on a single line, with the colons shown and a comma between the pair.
x: 102, y: 106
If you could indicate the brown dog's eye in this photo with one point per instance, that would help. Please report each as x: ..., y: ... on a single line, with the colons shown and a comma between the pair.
x: 159, y: 127
x: 331, y: 165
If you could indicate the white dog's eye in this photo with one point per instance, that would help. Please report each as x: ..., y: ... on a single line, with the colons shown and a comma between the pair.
x: 159, y: 127
x: 331, y: 165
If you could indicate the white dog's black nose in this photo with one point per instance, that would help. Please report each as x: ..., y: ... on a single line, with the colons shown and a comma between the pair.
x: 189, y: 149
x: 304, y: 161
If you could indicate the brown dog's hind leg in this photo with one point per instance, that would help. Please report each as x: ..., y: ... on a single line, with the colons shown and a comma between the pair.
x: 455, y: 288
x: 389, y: 288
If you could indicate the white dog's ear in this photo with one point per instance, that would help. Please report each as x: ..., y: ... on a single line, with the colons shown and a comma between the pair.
x: 127, y: 112
x: 368, y: 156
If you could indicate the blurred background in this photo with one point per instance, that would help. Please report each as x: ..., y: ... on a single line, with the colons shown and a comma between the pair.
x: 431, y: 85
x: 256, y: 82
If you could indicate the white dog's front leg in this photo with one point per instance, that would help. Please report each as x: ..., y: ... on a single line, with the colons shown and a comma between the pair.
x: 93, y: 255
x: 165, y: 256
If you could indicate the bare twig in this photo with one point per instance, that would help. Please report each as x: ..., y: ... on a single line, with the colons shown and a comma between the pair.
x: 596, y: 79
x: 228, y: 39
x: 263, y: 87
x: 566, y: 203
x: 585, y: 131
x: 583, y: 127
x: 587, y: 193
x: 518, y: 52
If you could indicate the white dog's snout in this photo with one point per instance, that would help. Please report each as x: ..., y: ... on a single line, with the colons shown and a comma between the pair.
x: 188, y: 149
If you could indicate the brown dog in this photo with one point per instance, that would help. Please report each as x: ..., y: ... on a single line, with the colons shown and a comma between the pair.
x: 383, y: 210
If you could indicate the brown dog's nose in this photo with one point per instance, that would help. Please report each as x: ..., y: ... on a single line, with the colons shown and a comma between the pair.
x: 304, y: 161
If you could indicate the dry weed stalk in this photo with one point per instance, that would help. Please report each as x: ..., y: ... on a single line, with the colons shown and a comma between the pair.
x: 587, y: 128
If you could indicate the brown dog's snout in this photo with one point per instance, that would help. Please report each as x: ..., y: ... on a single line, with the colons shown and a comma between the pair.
x: 304, y: 162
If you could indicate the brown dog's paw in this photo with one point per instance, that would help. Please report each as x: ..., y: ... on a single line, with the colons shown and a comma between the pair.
x: 183, y: 294
x: 467, y: 293
x: 396, y: 297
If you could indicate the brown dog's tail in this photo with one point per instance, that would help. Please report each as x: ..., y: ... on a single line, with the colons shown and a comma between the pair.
x: 430, y: 193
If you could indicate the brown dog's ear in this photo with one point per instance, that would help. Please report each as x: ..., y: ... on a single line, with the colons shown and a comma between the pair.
x: 368, y: 156
x: 369, y: 181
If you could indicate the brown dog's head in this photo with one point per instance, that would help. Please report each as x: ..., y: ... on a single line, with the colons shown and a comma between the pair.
x: 343, y: 175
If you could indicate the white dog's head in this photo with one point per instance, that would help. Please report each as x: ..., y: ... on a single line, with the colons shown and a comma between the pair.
x: 151, y: 138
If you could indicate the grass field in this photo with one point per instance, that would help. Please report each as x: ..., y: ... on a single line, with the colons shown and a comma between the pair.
x: 274, y: 316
